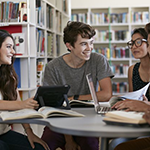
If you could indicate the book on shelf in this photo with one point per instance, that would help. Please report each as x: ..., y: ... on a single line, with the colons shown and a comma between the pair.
x: 49, y: 17
x: 119, y: 17
x: 50, y: 43
x: 40, y: 40
x: 58, y: 22
x: 104, y: 51
x: 99, y: 18
x: 82, y: 17
x: 120, y: 87
x: 140, y: 17
x: 57, y: 45
x: 40, y: 13
x: 42, y: 53
x: 119, y: 52
x: 40, y: 68
x: 43, y: 112
x: 38, y: 3
x: 65, y: 6
x: 17, y: 67
x: 9, y: 11
x: 120, y: 69
x: 19, y: 43
x: 125, y: 118
x: 22, y: 11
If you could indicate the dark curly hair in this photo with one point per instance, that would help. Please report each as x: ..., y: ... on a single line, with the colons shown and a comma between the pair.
x: 8, y: 76
x: 141, y: 31
x: 147, y: 28
x: 74, y: 28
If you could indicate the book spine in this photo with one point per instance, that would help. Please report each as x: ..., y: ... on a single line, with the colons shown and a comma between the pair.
x: 17, y: 69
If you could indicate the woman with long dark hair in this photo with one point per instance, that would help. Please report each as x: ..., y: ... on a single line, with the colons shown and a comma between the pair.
x: 10, y: 100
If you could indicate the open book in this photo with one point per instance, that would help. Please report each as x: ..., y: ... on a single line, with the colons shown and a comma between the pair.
x: 124, y: 118
x: 86, y: 103
x: 43, y: 112
x: 81, y: 103
x: 136, y: 95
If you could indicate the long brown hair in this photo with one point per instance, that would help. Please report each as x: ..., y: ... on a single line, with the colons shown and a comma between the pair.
x: 8, y: 76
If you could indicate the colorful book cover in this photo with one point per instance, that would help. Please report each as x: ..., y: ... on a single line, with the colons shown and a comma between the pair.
x: 18, y: 71
x: 19, y: 43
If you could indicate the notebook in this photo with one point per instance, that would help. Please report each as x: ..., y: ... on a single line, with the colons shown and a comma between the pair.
x: 99, y: 109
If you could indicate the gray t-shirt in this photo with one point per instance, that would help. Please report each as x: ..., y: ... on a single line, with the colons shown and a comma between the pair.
x: 57, y: 72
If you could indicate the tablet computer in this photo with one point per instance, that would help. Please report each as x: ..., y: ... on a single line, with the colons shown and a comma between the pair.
x: 53, y: 96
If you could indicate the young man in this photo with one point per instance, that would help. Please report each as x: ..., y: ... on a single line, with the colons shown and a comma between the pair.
x: 71, y: 69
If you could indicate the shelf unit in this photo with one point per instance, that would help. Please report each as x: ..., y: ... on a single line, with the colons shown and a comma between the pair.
x: 41, y: 16
x: 114, y: 26
x: 47, y: 16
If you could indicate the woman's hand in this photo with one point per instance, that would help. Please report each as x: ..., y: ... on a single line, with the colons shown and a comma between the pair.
x: 70, y: 143
x: 33, y: 138
x: 131, y: 105
x: 29, y: 103
x: 72, y: 146
x: 146, y: 116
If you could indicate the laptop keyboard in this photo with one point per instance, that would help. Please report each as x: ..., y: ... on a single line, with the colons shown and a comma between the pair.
x: 103, y: 110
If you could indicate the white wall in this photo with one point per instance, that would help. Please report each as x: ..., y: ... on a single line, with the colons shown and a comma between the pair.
x: 108, y: 3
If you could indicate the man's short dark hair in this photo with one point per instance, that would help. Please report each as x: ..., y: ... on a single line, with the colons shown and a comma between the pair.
x: 74, y: 28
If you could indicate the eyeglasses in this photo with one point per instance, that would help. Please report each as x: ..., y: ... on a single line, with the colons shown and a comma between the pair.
x: 138, y: 42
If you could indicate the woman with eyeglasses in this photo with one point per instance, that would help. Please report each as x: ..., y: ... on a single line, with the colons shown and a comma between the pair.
x: 147, y: 28
x: 144, y: 73
x: 139, y: 73
x: 138, y: 77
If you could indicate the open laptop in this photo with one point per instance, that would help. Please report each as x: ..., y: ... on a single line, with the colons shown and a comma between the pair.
x: 99, y: 109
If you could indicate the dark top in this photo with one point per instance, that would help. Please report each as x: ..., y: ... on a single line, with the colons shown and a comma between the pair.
x: 137, y: 81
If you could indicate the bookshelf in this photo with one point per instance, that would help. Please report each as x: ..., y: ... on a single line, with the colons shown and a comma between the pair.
x: 40, y: 25
x: 114, y: 26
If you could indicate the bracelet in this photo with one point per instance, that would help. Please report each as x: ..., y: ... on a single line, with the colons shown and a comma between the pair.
x: 76, y: 97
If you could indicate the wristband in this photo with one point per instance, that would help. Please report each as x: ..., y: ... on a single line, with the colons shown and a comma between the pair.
x: 76, y: 97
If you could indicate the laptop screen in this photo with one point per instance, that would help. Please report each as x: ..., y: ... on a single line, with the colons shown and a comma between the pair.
x: 92, y: 90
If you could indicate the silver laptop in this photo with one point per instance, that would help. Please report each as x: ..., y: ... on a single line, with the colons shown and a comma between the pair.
x: 99, y: 109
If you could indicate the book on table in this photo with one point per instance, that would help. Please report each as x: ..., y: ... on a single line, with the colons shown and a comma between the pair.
x: 43, y: 112
x: 125, y: 118
x: 86, y: 103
